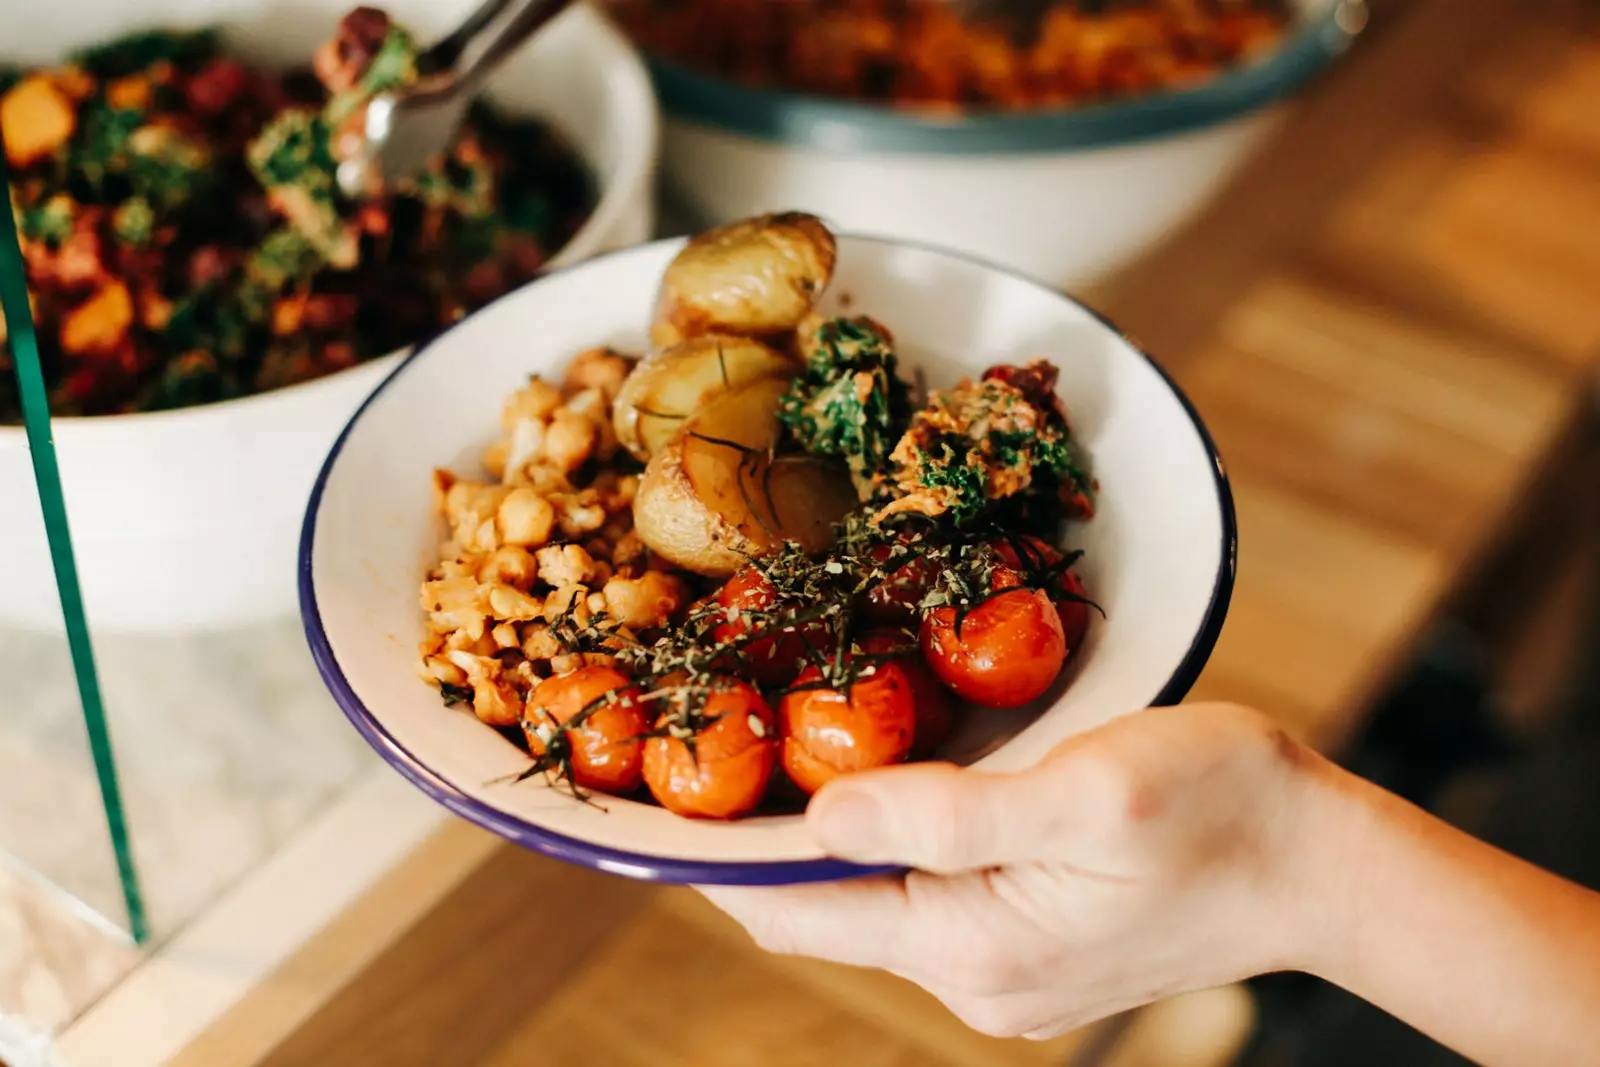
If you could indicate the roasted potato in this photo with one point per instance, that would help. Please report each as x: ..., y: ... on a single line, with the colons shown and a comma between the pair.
x: 666, y: 390
x: 714, y: 496
x: 758, y: 278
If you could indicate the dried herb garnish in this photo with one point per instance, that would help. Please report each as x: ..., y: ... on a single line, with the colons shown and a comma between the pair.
x: 455, y: 694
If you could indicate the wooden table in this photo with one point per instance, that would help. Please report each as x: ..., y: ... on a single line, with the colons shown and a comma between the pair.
x: 1391, y: 324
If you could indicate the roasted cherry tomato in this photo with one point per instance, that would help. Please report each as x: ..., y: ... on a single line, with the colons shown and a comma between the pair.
x: 1073, y: 610
x: 602, y: 737
x: 1005, y: 651
x: 734, y: 753
x: 828, y: 733
x: 774, y: 660
x: 1071, y: 602
x: 935, y: 716
x: 893, y: 601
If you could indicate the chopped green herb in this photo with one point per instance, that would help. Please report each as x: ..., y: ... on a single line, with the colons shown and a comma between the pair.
x: 394, y: 65
x: 101, y: 147
x: 465, y: 189
x: 166, y: 168
x: 989, y: 448
x: 293, y: 149
x: 849, y: 401
x: 285, y: 256
x: 50, y: 222
x: 134, y: 222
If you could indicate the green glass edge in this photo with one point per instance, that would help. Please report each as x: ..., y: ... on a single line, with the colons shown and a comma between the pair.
x: 842, y: 127
x: 47, y: 475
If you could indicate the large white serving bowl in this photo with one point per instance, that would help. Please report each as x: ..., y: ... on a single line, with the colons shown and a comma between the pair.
x: 188, y: 519
x: 1067, y: 196
x: 1159, y: 555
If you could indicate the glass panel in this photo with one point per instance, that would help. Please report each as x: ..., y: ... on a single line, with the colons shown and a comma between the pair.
x: 67, y: 879
x: 225, y: 740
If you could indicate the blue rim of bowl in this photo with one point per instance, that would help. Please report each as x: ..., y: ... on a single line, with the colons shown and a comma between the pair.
x: 842, y: 127
x: 644, y: 866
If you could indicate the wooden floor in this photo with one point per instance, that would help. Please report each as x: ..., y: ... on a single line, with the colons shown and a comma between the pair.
x: 1392, y: 326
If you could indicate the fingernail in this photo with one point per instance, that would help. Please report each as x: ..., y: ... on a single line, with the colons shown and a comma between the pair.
x: 849, y: 824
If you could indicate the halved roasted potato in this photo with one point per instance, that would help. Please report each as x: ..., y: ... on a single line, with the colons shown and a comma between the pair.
x: 757, y: 277
x: 664, y: 392
x: 714, y: 496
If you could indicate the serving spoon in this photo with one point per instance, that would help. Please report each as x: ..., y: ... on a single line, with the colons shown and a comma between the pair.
x: 407, y: 127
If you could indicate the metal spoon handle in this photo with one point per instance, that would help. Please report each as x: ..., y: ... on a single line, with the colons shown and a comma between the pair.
x: 492, y: 32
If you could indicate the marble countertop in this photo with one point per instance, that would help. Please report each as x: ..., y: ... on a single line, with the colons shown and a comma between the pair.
x: 225, y: 744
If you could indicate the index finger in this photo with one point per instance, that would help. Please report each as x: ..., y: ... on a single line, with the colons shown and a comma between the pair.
x: 864, y: 922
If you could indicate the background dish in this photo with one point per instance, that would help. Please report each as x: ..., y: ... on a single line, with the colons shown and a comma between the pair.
x: 1066, y: 195
x: 188, y: 519
x: 1160, y: 550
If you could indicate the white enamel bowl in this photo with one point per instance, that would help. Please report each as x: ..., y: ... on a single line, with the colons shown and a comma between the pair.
x: 188, y: 519
x: 1067, y: 196
x: 1159, y: 555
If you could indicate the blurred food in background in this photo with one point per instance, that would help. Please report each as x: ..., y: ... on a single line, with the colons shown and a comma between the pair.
x: 927, y: 54
x: 186, y: 241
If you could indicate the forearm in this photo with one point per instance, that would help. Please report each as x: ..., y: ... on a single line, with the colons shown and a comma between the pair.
x: 1479, y: 950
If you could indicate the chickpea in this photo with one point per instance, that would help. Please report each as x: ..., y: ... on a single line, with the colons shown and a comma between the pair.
x: 525, y: 518
x: 539, y: 643
x: 563, y: 565
x: 455, y: 605
x: 567, y: 598
x: 462, y: 643
x: 505, y: 636
x: 596, y: 407
x: 460, y: 566
x: 438, y: 669
x: 480, y: 537
x: 471, y: 502
x: 578, y: 516
x: 571, y: 661
x: 510, y: 565
x: 591, y: 404
x: 543, y: 480
x: 534, y: 401
x: 646, y: 602
x: 597, y: 368
x: 513, y: 604
x: 523, y: 445
x: 497, y: 704
x: 569, y: 441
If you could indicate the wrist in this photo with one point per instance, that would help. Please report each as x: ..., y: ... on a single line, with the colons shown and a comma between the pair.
x: 1318, y: 867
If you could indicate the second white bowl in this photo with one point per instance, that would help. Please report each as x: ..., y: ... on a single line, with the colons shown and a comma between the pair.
x: 1066, y: 196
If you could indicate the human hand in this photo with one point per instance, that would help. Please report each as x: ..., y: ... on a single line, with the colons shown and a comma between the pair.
x: 1155, y: 855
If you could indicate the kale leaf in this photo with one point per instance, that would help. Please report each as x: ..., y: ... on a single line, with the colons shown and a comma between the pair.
x: 849, y: 400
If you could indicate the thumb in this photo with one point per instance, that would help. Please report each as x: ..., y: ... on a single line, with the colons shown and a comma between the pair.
x: 937, y: 817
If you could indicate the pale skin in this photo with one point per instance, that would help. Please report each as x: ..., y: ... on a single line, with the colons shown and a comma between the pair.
x: 1180, y: 849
